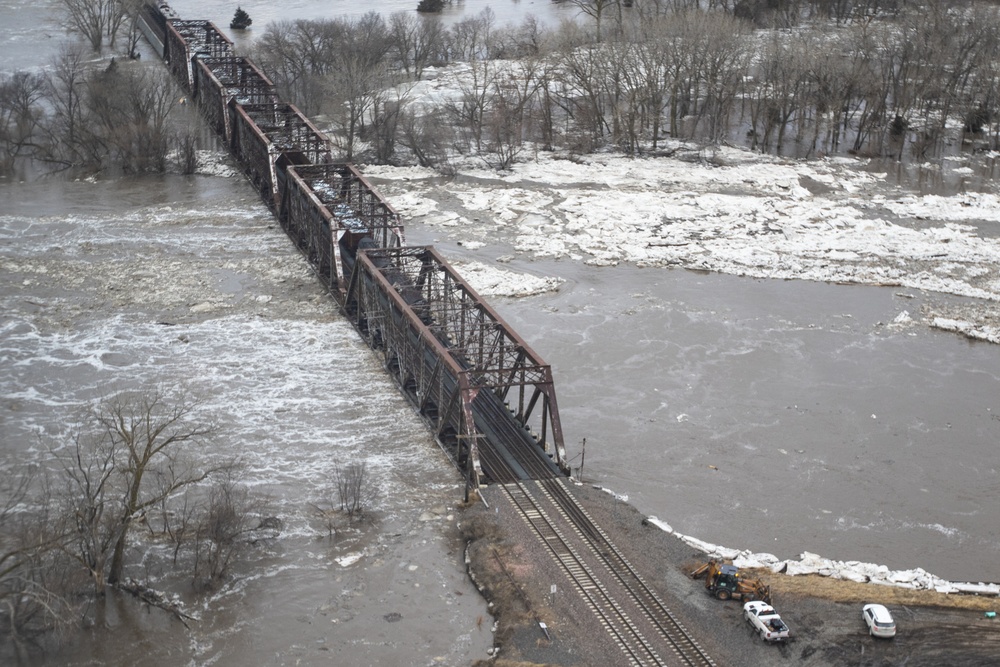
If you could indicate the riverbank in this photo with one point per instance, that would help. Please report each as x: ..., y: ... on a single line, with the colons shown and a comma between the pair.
x: 517, y: 576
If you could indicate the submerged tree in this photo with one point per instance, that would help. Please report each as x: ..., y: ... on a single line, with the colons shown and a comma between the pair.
x: 71, y: 526
x: 124, y: 462
x: 128, y: 109
x: 226, y: 527
x: 20, y: 115
x: 354, y: 488
x: 98, y: 20
x: 241, y: 20
x: 32, y: 595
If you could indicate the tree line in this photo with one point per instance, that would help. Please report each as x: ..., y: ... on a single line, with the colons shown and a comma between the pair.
x: 874, y: 77
x: 91, y: 113
x: 77, y: 115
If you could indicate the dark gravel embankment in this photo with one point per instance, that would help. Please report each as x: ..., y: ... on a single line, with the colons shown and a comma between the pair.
x: 825, y: 617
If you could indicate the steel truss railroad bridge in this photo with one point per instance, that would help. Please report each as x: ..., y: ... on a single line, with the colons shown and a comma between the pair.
x: 489, y: 399
x: 487, y: 396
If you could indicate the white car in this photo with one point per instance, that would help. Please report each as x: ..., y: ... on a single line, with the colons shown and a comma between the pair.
x: 879, y: 620
x: 766, y: 621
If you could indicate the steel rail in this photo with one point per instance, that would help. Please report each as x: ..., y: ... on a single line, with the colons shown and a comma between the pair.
x: 666, y: 623
x: 516, y: 442
x: 609, y: 613
x: 598, y: 599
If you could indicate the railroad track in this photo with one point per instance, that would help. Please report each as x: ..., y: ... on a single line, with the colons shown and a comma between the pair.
x: 547, y: 506
x: 520, y: 458
x: 586, y: 583
x: 597, y: 567
x: 668, y: 627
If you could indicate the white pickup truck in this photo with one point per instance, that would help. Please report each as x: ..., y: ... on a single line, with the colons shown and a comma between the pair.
x: 765, y: 620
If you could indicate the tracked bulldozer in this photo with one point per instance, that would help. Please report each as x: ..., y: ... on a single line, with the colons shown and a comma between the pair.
x: 725, y: 582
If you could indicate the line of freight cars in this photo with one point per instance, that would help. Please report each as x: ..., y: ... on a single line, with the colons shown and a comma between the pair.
x: 326, y: 207
x: 330, y: 211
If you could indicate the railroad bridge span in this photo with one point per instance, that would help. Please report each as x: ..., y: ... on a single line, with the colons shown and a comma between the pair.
x: 487, y: 396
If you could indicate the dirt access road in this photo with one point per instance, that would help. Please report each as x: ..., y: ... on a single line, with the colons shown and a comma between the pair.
x: 824, y: 615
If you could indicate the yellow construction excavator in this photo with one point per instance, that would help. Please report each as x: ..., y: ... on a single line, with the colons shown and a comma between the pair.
x: 725, y: 582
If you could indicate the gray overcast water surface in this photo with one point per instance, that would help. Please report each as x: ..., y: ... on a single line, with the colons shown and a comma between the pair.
x: 776, y: 416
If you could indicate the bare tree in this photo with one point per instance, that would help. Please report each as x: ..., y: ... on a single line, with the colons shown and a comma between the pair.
x: 187, y: 149
x: 297, y: 56
x: 110, y: 117
x: 469, y: 112
x: 177, y: 520
x: 129, y: 106
x: 339, y: 67
x: 326, y: 510
x: 91, y: 510
x: 471, y: 38
x: 599, y: 10
x: 96, y: 20
x: 779, y: 92
x: 383, y: 130
x: 428, y: 136
x: 580, y: 92
x: 20, y: 116
x: 720, y: 63
x: 66, y: 94
x: 354, y: 489
x: 225, y: 528
x: 353, y: 91
x: 124, y: 462
x: 32, y: 595
x: 358, y: 78
x: 133, y: 14
x: 508, y: 116
x: 416, y: 41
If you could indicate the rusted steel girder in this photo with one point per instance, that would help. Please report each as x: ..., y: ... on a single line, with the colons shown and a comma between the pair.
x: 354, y: 201
x: 476, y: 340
x: 329, y: 207
x: 255, y: 152
x: 218, y: 80
x: 185, y: 39
x: 426, y: 372
x: 291, y: 132
x: 268, y: 138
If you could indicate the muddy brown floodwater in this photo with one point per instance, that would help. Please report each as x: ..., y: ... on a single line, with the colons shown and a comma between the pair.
x: 777, y: 416
x: 188, y: 281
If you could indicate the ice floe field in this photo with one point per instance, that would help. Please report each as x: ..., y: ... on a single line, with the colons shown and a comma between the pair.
x: 728, y: 210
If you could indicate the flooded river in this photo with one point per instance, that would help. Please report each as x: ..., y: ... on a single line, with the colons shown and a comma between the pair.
x: 779, y: 416
x: 108, y: 286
